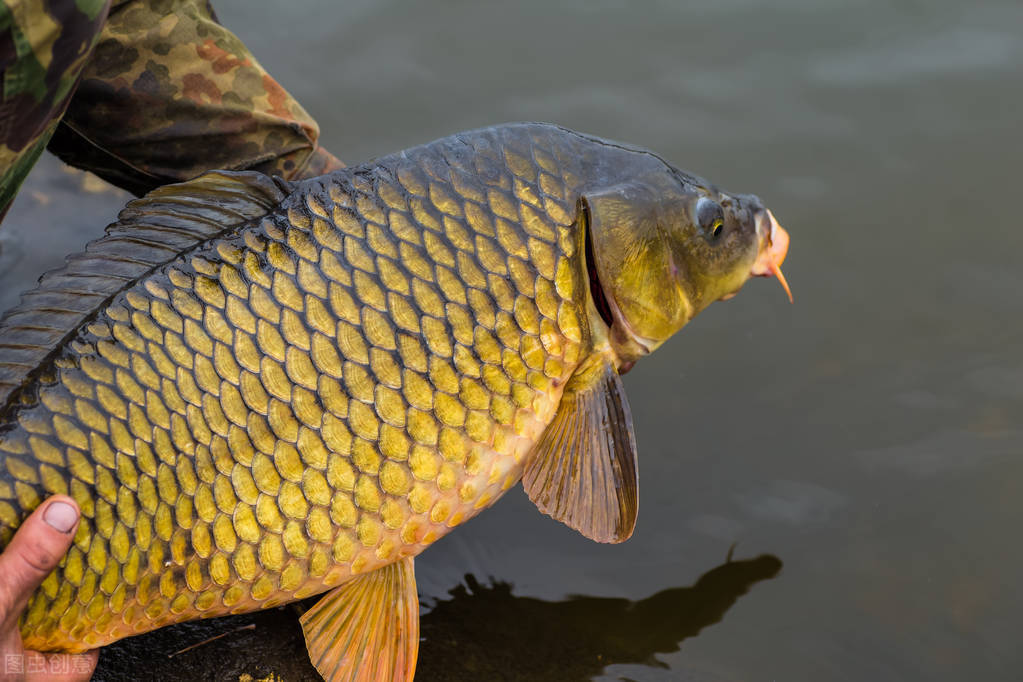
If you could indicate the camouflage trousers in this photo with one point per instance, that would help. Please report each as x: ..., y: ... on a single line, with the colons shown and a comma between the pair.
x: 142, y: 93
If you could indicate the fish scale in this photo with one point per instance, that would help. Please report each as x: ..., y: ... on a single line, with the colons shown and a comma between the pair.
x: 257, y: 391
x: 309, y: 396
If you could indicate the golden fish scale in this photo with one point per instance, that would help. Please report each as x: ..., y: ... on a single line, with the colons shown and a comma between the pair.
x: 303, y: 400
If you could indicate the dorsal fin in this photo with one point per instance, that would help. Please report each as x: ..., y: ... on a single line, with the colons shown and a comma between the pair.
x: 149, y: 232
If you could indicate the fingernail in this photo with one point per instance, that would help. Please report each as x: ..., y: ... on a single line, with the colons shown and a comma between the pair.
x: 61, y: 516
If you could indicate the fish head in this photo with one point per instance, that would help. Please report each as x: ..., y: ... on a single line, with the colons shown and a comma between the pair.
x: 663, y: 246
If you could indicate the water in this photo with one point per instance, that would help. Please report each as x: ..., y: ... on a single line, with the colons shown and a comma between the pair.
x: 868, y: 437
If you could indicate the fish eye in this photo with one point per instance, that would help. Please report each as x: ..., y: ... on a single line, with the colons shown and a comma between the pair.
x: 710, y: 217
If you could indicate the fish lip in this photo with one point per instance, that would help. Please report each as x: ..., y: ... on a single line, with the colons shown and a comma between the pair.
x: 774, y: 245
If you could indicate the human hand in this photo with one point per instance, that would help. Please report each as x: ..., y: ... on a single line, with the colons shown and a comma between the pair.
x: 35, y: 550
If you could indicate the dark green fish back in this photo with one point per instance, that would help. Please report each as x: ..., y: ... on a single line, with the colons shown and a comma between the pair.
x: 150, y: 232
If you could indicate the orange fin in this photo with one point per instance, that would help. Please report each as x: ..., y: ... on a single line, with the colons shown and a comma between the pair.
x: 584, y: 471
x: 368, y: 628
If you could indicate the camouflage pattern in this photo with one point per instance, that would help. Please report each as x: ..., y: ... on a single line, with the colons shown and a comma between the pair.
x: 43, y: 48
x: 163, y: 93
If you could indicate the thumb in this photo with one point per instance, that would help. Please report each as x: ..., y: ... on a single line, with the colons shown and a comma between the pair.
x: 36, y: 549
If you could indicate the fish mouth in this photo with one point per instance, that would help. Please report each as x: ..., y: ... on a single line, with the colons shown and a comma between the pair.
x: 774, y: 246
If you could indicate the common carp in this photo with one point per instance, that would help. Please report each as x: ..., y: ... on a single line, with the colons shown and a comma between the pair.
x: 258, y: 391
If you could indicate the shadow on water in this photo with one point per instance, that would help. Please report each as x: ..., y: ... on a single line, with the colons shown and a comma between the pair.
x: 484, y: 632
x: 481, y: 631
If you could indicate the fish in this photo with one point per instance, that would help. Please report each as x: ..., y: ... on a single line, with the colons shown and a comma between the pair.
x: 258, y: 391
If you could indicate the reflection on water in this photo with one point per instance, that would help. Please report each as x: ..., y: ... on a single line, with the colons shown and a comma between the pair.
x: 479, y: 632
x: 484, y: 632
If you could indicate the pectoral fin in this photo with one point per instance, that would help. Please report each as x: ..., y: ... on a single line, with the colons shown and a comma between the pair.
x: 584, y: 471
x: 368, y: 628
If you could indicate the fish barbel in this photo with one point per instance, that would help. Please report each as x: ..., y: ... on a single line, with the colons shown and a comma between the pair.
x: 259, y: 391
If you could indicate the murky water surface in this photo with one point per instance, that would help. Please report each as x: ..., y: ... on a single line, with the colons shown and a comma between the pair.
x: 869, y: 437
